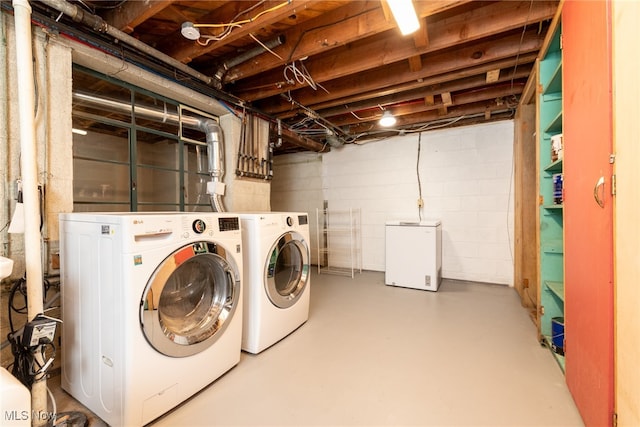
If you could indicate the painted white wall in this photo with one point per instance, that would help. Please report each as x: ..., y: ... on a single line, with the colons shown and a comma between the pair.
x: 466, y: 181
x: 297, y: 186
x: 242, y: 194
x: 52, y: 75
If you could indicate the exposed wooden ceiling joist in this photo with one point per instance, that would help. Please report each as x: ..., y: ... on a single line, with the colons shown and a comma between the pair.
x: 478, y: 52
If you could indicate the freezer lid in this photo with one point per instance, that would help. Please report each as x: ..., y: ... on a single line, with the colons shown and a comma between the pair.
x: 423, y: 223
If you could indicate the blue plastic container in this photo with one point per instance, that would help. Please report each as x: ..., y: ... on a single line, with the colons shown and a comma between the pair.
x: 557, y: 334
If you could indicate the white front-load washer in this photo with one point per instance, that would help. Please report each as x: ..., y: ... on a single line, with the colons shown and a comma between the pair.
x: 152, y: 309
x: 276, y: 276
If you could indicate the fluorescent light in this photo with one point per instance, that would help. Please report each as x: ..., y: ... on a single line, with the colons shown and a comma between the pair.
x: 79, y: 131
x: 387, y: 119
x: 405, y: 15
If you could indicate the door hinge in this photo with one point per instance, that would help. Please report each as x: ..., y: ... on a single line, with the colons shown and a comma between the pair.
x: 613, y: 184
x: 612, y: 158
x: 615, y: 420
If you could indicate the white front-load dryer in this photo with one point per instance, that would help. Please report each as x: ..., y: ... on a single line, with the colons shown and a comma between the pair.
x: 152, y: 309
x: 276, y: 276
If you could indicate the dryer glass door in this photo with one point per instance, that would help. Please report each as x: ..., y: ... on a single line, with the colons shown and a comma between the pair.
x: 287, y: 270
x: 190, y: 299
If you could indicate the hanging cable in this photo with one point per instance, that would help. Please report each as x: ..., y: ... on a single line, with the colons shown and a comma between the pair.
x: 228, y: 27
x: 265, y: 47
x: 418, y: 175
x: 300, y: 75
x: 524, y: 29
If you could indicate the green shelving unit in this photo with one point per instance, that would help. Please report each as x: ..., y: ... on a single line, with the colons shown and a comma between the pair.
x: 551, y: 224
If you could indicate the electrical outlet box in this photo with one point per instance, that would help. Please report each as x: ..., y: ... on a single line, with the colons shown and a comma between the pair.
x: 41, y: 330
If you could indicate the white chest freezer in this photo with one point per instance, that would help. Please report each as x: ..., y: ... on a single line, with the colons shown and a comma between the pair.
x: 414, y: 254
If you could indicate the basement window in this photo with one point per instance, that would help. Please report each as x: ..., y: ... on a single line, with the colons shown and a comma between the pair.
x: 128, y: 153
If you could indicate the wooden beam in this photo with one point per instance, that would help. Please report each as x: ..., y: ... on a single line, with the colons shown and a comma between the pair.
x: 493, y: 76
x: 449, y: 61
x: 529, y: 91
x: 446, y: 33
x: 429, y: 100
x: 461, y: 80
x: 186, y: 50
x: 421, y: 37
x: 472, y: 96
x: 487, y: 114
x: 356, y: 21
x: 424, y: 117
x: 129, y: 15
x: 386, y: 11
x: 415, y: 63
x: 302, y: 141
x: 446, y: 98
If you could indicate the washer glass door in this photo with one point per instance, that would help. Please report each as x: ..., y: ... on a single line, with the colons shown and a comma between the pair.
x: 287, y: 270
x: 190, y: 299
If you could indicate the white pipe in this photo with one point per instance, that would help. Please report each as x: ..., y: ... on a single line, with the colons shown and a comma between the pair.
x: 5, y: 214
x: 30, y: 197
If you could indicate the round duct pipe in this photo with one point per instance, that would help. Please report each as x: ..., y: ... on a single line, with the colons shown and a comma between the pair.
x: 244, y: 57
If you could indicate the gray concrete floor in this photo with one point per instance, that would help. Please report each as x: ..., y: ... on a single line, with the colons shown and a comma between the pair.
x: 372, y: 354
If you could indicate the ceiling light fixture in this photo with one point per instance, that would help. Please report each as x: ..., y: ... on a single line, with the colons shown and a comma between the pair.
x: 79, y: 131
x: 387, y: 119
x: 189, y: 31
x: 405, y: 15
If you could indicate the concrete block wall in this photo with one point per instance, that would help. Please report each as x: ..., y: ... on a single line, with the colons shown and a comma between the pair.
x: 469, y: 175
x: 52, y: 76
x: 242, y: 194
x: 297, y: 182
x: 466, y: 181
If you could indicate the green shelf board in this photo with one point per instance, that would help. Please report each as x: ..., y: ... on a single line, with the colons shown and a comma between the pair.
x: 555, y: 83
x: 553, y: 247
x: 555, y: 126
x: 553, y: 207
x: 556, y: 288
x: 555, y: 166
x: 552, y: 97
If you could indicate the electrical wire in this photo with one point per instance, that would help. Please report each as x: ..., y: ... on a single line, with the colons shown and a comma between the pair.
x: 418, y: 175
x: 265, y: 47
x: 300, y: 75
x: 228, y: 27
x: 25, y: 366
x: 524, y: 29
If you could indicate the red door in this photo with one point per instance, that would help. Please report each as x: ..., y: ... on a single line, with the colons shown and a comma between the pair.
x: 588, y: 225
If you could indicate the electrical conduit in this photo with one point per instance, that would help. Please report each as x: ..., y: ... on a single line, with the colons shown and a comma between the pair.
x: 28, y: 164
